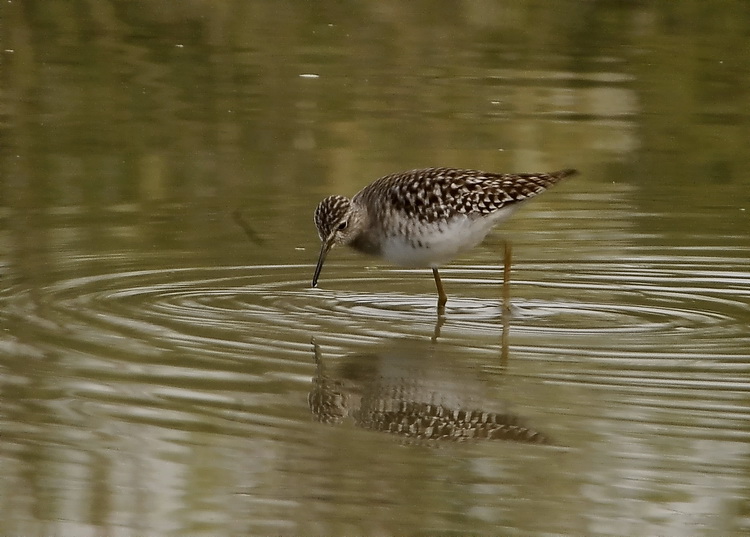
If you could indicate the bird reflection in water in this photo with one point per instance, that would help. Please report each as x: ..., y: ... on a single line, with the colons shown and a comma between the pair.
x: 408, y: 389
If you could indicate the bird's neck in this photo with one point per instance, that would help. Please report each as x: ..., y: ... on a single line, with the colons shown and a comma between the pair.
x: 367, y: 240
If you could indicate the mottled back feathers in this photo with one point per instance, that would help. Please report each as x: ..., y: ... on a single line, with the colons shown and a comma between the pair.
x: 433, y: 194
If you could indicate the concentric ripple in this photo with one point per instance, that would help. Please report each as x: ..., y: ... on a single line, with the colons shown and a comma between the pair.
x: 659, y: 327
x: 666, y: 305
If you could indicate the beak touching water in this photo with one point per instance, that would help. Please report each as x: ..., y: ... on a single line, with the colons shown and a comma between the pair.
x: 324, y: 248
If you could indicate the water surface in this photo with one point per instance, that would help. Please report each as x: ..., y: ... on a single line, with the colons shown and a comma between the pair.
x: 166, y: 369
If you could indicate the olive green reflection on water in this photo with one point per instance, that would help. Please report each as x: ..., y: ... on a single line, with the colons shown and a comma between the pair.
x: 103, y: 110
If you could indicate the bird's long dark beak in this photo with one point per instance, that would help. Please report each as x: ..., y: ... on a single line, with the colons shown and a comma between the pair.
x: 324, y: 249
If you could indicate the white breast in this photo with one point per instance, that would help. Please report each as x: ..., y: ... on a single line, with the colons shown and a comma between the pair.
x: 431, y: 245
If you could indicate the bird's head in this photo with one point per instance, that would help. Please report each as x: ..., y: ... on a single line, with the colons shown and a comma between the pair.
x: 338, y: 222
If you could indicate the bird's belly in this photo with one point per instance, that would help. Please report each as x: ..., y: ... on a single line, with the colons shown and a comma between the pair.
x: 431, y: 245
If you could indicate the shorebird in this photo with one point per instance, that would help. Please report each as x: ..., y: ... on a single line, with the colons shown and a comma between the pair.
x: 426, y: 217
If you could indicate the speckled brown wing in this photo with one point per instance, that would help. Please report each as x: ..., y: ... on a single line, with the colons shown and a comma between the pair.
x: 433, y: 194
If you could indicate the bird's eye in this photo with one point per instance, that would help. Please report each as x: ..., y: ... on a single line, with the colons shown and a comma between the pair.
x: 342, y: 225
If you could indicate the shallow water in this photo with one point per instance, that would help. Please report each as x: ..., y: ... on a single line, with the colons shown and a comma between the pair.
x: 166, y: 369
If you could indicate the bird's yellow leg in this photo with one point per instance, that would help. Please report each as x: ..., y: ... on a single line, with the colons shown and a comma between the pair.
x: 442, y: 297
x: 507, y: 261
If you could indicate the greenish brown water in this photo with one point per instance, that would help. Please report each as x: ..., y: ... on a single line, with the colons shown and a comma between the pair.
x: 166, y: 369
